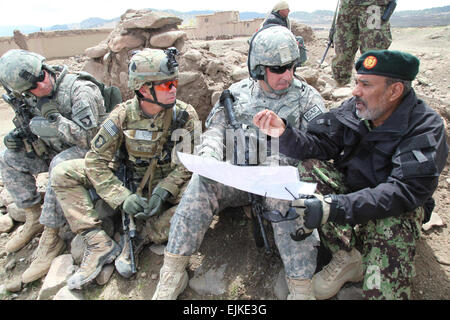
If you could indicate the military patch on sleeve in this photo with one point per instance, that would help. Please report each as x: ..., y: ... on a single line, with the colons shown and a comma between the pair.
x: 87, y: 121
x: 312, y: 113
x: 111, y: 128
x: 99, y: 142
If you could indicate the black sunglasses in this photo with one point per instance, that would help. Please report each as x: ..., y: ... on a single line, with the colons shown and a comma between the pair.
x: 37, y: 79
x: 281, y: 70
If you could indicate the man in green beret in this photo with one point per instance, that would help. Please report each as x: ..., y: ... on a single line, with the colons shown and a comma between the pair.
x: 391, y: 148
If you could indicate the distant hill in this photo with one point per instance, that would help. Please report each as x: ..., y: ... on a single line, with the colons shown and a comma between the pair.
x: 411, y: 18
x: 422, y: 18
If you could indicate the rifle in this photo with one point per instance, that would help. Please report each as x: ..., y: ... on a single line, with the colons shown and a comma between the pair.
x: 128, y: 225
x: 33, y: 145
x: 331, y: 34
x: 226, y: 99
x: 389, y: 10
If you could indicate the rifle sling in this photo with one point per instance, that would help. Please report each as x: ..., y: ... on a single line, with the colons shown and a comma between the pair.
x: 149, y: 174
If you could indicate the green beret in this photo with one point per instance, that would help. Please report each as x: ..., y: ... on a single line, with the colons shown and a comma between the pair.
x: 393, y: 64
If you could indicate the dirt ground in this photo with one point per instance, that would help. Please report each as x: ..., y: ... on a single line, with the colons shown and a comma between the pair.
x: 250, y: 273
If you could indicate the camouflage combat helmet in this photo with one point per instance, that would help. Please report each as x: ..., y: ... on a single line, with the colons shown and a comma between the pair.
x: 151, y: 65
x: 20, y: 69
x: 271, y: 46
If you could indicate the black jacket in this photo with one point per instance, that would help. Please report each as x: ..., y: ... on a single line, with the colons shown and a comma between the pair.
x: 276, y: 18
x: 391, y: 169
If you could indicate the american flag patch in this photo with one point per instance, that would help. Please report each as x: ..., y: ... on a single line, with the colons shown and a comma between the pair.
x: 111, y: 128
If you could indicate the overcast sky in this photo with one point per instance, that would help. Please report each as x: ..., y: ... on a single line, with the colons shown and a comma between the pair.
x: 45, y: 13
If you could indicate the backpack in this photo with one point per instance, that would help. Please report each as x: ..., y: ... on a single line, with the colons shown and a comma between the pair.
x: 111, y: 95
x: 302, y: 49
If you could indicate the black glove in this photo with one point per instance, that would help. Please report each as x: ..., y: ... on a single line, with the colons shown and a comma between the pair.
x: 159, y: 196
x: 315, y: 209
x: 135, y: 204
x: 49, y: 109
x: 13, y: 141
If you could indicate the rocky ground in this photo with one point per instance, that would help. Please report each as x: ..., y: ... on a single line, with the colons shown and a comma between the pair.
x: 229, y: 265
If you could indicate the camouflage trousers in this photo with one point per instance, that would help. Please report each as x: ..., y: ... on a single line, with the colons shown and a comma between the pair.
x: 202, y: 200
x: 19, y: 177
x: 72, y: 185
x: 357, y: 27
x: 388, y: 245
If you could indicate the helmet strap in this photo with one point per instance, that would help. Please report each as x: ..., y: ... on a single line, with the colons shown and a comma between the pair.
x: 155, y: 99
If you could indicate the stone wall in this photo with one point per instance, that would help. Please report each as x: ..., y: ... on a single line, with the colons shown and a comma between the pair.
x: 55, y: 44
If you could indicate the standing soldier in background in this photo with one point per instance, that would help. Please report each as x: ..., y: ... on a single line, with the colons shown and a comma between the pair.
x: 361, y: 24
x: 279, y: 15
x: 138, y: 135
x: 65, y: 112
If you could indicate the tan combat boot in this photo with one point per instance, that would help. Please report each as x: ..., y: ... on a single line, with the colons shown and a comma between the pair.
x: 50, y: 246
x: 173, y: 277
x: 29, y: 230
x: 343, y: 267
x: 99, y: 250
x: 300, y: 289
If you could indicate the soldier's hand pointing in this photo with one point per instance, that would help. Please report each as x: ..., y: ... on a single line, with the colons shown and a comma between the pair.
x: 269, y: 123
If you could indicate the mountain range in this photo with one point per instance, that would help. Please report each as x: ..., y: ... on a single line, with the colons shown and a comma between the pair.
x: 411, y: 18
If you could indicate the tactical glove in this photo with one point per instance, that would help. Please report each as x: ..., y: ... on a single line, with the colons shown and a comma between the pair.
x: 315, y: 209
x: 13, y: 141
x: 156, y: 202
x: 135, y: 204
x: 49, y: 109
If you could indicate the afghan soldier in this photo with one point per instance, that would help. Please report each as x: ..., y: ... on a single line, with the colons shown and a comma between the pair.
x: 391, y: 148
x: 359, y: 25
x: 272, y: 58
x: 65, y: 112
x: 136, y: 134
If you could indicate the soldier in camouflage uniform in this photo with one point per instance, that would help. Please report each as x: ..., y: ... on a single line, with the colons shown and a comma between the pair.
x: 66, y: 113
x: 390, y: 148
x: 272, y: 59
x: 136, y: 133
x: 358, y: 26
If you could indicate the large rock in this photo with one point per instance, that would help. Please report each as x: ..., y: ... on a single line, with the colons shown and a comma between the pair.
x: 152, y: 20
x: 188, y: 77
x: 6, y: 223
x: 121, y: 42
x: 342, y: 93
x: 66, y: 294
x: 167, y: 39
x: 239, y: 74
x: 61, y: 269
x: 306, y: 32
x: 310, y: 75
x: 98, y: 51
